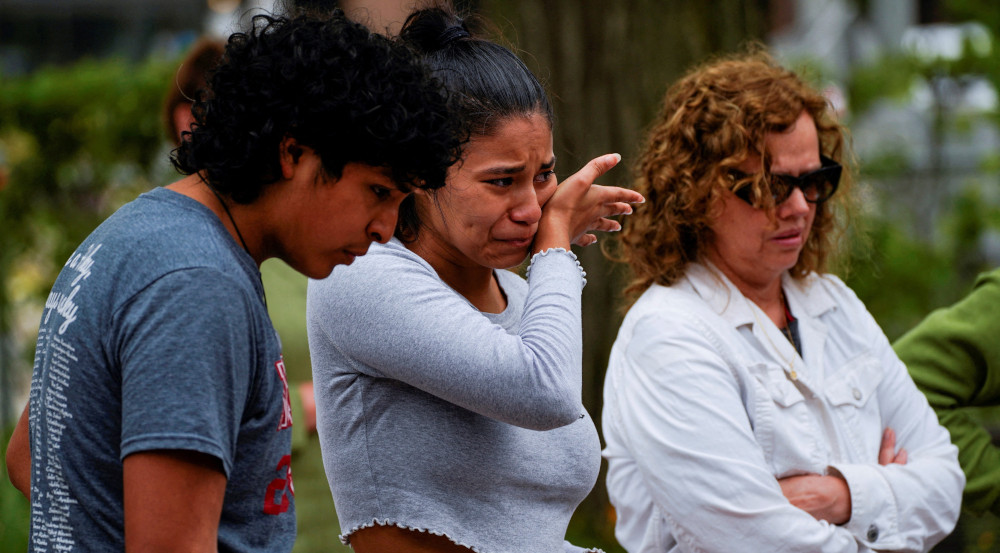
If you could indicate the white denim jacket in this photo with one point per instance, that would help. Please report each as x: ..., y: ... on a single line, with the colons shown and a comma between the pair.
x: 707, y: 404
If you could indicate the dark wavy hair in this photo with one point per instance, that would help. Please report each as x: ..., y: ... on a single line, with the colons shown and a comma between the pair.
x: 351, y: 95
x: 712, y: 119
x: 488, y: 83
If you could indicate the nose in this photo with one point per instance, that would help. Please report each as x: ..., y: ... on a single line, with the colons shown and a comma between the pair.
x: 527, y: 208
x: 383, y: 225
x: 795, y: 205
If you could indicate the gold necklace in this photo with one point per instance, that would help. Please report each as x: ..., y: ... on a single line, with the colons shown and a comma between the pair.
x: 791, y: 364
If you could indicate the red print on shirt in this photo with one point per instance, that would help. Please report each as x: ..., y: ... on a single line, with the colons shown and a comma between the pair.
x: 275, y: 499
x: 286, y: 402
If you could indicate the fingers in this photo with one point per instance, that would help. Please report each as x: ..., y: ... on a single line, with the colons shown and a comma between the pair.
x: 887, y: 451
x: 614, y: 195
x: 582, y: 208
x: 619, y: 208
x: 602, y: 223
x: 607, y: 194
x: 605, y: 225
x: 596, y: 167
x: 901, y: 457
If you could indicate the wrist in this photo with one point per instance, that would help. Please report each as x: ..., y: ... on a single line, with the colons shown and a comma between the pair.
x: 556, y: 251
x: 840, y: 498
x: 550, y: 235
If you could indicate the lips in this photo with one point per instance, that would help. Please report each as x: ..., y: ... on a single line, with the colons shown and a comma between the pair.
x: 519, y: 242
x: 352, y: 254
x: 791, y: 237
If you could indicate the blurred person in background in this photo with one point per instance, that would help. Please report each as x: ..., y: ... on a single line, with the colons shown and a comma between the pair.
x: 190, y: 79
x: 448, y: 389
x: 751, y: 401
x: 159, y: 415
x: 954, y: 357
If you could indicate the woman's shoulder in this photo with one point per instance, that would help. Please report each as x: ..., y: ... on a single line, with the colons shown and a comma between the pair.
x: 677, y: 300
x: 391, y: 258
x: 677, y: 320
x: 675, y: 311
x: 386, y: 270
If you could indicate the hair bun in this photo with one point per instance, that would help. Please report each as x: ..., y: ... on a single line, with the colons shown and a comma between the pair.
x: 433, y: 29
x: 452, y: 34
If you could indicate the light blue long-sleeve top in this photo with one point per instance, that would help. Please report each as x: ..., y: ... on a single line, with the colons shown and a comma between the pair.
x: 437, y: 417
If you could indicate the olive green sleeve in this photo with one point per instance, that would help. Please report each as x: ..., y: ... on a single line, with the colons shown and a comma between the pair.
x: 954, y: 357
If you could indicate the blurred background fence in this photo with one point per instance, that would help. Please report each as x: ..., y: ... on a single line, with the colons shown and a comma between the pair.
x: 82, y: 81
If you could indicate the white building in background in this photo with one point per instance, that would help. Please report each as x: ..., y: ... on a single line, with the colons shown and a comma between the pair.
x: 942, y: 132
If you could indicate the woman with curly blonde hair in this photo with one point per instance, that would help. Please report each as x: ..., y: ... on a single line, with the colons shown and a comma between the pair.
x: 751, y: 400
x: 710, y: 122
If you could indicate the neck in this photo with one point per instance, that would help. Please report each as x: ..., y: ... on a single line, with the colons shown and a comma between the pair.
x: 475, y: 283
x: 765, y: 293
x: 773, y: 307
x: 229, y: 213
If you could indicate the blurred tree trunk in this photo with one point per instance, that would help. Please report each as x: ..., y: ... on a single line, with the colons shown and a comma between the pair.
x: 606, y: 66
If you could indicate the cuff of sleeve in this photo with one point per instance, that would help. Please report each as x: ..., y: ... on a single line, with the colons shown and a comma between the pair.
x: 186, y: 442
x: 570, y: 548
x: 874, y: 513
x: 553, y: 253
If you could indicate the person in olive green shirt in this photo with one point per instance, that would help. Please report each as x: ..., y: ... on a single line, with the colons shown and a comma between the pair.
x: 954, y: 357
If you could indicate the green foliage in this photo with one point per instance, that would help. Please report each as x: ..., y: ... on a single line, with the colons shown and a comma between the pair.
x: 78, y: 142
x: 888, y: 78
x: 899, y: 279
x: 74, y: 136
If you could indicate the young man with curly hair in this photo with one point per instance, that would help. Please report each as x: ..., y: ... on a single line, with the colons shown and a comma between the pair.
x: 159, y: 416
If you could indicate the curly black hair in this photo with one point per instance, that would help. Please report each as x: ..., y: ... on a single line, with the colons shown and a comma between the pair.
x: 349, y: 94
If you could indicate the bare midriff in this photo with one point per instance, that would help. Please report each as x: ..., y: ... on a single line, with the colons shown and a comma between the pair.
x: 378, y: 539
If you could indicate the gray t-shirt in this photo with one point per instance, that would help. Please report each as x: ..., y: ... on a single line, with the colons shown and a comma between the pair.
x: 155, y: 336
x: 437, y: 417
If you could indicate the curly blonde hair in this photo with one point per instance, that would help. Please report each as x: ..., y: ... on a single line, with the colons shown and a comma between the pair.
x: 712, y: 120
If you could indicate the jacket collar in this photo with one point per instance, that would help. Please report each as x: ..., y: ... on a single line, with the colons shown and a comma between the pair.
x: 805, y: 298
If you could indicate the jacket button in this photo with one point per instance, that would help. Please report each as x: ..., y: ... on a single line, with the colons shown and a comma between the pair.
x: 857, y: 394
x: 872, y: 533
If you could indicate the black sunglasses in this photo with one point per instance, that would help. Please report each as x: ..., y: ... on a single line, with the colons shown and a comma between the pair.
x: 817, y: 186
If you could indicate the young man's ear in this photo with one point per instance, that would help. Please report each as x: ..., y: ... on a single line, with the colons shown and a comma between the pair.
x: 290, y: 152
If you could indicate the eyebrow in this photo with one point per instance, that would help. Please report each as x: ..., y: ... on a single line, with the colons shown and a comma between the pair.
x: 800, y: 175
x: 400, y: 186
x: 519, y: 168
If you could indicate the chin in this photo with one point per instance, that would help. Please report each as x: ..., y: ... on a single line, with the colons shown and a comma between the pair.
x: 316, y: 275
x: 319, y: 272
x: 508, y: 261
